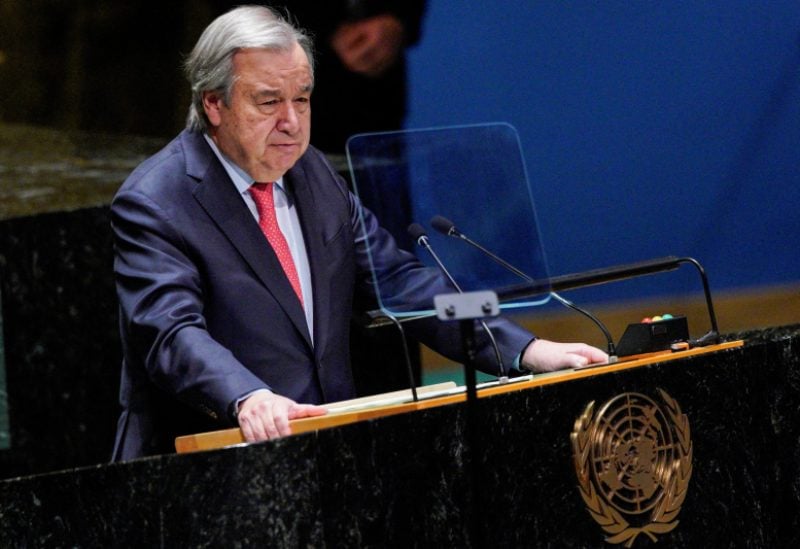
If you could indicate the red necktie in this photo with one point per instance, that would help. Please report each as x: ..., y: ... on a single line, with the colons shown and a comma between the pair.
x: 268, y: 221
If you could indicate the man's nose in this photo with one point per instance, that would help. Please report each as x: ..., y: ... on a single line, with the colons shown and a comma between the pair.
x: 288, y: 120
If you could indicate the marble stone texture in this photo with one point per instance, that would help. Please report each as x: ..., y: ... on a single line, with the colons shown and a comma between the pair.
x: 62, y: 350
x: 5, y: 435
x: 61, y: 344
x: 45, y: 170
x: 406, y: 480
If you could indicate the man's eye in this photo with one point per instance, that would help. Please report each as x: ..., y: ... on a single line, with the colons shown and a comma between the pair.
x: 269, y: 103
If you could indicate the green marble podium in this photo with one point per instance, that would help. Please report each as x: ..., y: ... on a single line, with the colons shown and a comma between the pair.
x: 406, y: 480
x: 44, y: 170
x: 60, y: 342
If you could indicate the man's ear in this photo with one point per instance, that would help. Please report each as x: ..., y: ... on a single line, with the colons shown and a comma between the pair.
x: 213, y: 103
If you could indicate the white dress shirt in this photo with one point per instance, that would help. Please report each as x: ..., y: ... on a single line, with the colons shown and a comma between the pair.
x: 288, y: 222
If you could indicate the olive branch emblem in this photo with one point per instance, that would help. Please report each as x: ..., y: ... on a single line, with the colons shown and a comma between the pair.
x: 669, y: 485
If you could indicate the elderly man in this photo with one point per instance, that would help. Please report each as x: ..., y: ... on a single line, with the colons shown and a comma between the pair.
x: 238, y: 254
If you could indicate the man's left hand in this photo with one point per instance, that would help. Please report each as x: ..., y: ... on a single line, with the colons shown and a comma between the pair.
x: 548, y: 356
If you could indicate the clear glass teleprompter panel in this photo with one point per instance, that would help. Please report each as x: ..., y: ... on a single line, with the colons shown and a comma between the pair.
x: 474, y: 176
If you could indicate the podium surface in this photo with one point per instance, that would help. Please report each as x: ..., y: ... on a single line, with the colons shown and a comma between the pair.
x: 405, y: 480
x: 401, y: 402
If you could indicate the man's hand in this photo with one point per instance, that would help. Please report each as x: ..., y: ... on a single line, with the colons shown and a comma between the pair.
x: 548, y: 356
x: 369, y: 46
x: 265, y: 415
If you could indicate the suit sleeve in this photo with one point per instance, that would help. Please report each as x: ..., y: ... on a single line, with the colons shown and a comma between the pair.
x: 161, y: 308
x: 407, y: 284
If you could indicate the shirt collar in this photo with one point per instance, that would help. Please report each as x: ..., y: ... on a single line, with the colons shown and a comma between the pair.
x: 241, y: 179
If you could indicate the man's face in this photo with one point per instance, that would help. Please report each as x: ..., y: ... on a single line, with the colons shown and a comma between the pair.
x: 266, y: 125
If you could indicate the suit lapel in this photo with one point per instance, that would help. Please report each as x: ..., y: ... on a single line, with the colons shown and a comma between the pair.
x: 307, y: 211
x: 220, y: 199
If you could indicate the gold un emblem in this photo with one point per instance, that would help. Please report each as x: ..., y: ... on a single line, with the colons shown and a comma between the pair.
x: 634, y: 461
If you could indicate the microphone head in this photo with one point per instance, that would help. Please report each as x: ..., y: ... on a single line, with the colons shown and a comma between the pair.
x: 417, y: 232
x: 443, y: 225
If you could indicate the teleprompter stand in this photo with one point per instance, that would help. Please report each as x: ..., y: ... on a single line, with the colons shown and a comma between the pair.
x: 466, y: 308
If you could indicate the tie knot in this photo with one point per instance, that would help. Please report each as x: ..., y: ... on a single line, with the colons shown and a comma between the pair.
x: 262, y: 196
x: 261, y: 187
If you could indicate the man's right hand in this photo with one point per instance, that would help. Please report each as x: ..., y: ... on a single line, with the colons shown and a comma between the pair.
x: 369, y: 46
x: 265, y: 415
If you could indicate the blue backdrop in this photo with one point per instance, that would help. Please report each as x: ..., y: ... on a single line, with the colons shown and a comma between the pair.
x: 648, y: 128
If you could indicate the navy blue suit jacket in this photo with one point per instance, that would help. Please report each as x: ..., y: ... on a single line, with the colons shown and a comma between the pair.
x: 207, y: 314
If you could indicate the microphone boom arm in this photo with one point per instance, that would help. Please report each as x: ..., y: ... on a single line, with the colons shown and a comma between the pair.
x: 613, y: 274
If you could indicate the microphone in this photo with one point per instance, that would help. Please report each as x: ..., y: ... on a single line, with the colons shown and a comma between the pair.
x: 448, y: 228
x: 417, y: 232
